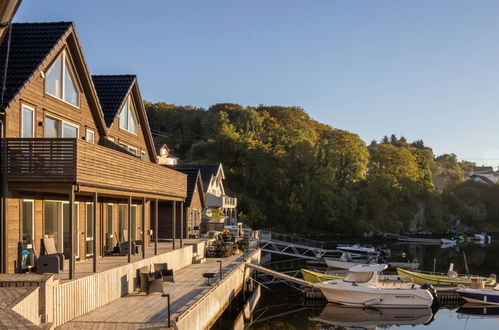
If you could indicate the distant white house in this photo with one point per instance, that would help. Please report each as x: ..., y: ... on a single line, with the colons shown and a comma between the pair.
x: 165, y: 155
x: 484, y: 174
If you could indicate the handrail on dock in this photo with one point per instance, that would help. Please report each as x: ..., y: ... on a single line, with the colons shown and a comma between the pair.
x: 280, y: 275
x: 267, y: 234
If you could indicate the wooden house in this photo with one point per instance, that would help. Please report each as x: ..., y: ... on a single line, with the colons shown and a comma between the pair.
x: 188, y: 223
x: 165, y: 155
x: 78, y: 161
x: 216, y: 199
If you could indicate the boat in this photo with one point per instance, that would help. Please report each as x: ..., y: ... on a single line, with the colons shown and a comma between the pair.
x: 347, y: 261
x: 489, y: 296
x: 371, y: 318
x: 317, y: 277
x: 482, y: 238
x: 451, y: 278
x: 449, y: 242
x: 478, y: 310
x: 406, y: 265
x: 362, y: 288
x: 361, y: 250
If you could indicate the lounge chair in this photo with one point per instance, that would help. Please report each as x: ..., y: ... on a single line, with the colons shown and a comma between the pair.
x: 49, y: 246
x: 161, y: 271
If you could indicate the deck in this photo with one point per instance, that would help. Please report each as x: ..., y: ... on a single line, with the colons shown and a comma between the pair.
x: 137, y: 311
x: 85, y: 267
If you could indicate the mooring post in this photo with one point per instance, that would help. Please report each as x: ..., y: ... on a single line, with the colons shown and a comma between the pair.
x: 220, y: 261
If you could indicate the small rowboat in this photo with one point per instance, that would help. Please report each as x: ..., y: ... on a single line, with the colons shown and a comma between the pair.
x: 480, y: 296
x: 444, y: 279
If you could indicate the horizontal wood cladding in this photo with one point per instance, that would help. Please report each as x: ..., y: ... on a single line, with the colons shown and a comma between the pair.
x: 86, y: 164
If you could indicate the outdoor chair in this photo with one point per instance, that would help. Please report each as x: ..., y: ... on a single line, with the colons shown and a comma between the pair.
x: 148, y: 282
x: 50, y: 250
x: 123, y: 243
x: 46, y: 263
x: 162, y: 272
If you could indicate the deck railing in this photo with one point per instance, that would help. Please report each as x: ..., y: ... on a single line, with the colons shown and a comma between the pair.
x: 79, y: 162
x: 51, y: 160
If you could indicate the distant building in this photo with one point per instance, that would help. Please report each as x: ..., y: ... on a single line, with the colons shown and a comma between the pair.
x: 483, y: 174
x: 216, y: 200
x: 165, y: 155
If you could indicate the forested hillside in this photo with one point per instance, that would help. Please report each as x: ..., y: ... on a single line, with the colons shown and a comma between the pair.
x: 295, y: 174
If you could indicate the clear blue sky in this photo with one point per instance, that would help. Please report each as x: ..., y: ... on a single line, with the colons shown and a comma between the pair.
x: 420, y: 68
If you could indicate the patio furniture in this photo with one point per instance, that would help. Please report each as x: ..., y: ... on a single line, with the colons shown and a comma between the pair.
x: 208, y: 276
x: 123, y: 244
x: 46, y: 263
x: 49, y: 246
x: 161, y: 271
x: 148, y: 282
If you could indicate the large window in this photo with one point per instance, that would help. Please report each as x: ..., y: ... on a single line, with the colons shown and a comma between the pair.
x: 60, y: 81
x: 89, y: 227
x: 28, y: 122
x: 56, y: 225
x: 56, y: 128
x: 28, y: 215
x: 128, y: 119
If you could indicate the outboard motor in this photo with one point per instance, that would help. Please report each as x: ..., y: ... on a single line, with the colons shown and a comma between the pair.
x: 436, y: 302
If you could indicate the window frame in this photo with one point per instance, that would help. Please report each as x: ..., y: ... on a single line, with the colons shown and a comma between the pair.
x: 23, y: 105
x: 61, y: 126
x: 143, y: 155
x: 131, y: 114
x: 32, y: 201
x: 64, y: 60
x: 93, y: 135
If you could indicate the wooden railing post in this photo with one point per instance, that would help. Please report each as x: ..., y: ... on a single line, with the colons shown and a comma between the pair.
x: 95, y: 233
x: 156, y: 206
x: 174, y: 221
x: 72, y: 228
x: 144, y: 227
x: 129, y: 228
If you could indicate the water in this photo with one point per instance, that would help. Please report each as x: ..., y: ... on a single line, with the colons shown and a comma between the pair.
x: 282, y: 307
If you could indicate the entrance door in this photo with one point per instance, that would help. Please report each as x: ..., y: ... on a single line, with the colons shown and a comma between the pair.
x: 89, y: 230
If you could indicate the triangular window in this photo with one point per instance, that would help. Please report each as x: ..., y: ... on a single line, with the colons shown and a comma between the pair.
x: 128, y: 118
x: 60, y: 81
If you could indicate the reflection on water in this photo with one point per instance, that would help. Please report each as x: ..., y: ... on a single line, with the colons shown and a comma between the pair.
x: 371, y: 318
x: 283, y: 306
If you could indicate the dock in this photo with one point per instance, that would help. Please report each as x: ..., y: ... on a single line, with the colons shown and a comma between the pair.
x: 137, y: 311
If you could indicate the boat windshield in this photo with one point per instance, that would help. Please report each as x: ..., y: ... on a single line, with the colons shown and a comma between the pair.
x: 358, y: 277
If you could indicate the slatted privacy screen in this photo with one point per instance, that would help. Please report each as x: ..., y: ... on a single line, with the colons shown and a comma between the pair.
x: 39, y: 159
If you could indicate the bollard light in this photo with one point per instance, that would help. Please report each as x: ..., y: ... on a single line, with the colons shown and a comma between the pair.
x: 167, y: 295
x: 220, y: 261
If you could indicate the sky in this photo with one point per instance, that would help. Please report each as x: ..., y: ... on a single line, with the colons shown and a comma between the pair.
x: 425, y: 69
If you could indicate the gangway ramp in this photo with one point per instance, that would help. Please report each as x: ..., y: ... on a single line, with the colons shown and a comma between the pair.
x: 281, y: 276
x: 291, y: 245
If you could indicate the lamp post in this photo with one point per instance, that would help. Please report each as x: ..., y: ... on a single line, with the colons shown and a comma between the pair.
x: 167, y: 295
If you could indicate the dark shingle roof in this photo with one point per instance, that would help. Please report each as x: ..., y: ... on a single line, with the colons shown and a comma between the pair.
x: 192, y: 176
x: 30, y: 44
x: 111, y: 90
x: 207, y: 171
x: 481, y: 177
x: 482, y: 170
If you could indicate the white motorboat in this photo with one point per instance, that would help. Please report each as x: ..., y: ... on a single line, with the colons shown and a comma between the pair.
x: 347, y: 261
x: 362, y: 288
x: 482, y: 238
x: 341, y: 316
x: 448, y: 242
x: 480, y: 296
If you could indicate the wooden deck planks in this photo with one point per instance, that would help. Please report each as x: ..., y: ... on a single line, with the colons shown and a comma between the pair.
x: 150, y: 311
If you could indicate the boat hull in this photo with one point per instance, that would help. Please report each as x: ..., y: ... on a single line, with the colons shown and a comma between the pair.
x: 480, y: 296
x: 350, y: 294
x: 421, y: 278
x: 332, y: 263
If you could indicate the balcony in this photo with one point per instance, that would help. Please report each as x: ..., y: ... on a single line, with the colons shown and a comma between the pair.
x: 74, y: 161
x: 226, y: 202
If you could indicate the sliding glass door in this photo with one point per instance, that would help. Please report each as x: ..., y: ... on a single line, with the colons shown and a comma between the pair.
x: 89, y: 230
x: 56, y: 225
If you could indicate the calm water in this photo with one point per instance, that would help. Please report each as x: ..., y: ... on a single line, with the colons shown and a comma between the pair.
x: 282, y: 307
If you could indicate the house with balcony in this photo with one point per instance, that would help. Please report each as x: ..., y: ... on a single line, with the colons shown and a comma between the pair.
x: 78, y: 162
x: 218, y: 204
